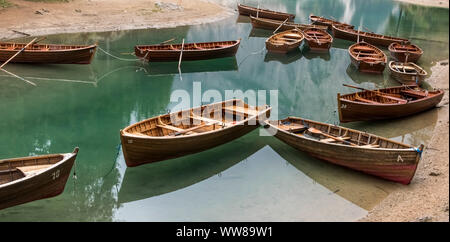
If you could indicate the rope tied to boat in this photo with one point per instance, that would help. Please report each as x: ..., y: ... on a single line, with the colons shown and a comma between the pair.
x: 418, y: 150
x: 118, y: 58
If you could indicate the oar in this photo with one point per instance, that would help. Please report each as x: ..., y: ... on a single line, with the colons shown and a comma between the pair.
x: 316, y: 131
x: 181, y: 56
x: 14, y: 75
x: 18, y: 52
x: 167, y: 41
x: 281, y: 25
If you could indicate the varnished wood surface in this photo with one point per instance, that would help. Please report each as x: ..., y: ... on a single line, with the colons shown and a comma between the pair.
x: 264, y: 13
x: 371, y: 38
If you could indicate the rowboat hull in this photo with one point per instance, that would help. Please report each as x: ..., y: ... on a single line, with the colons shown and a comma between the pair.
x: 188, y: 55
x: 316, y: 20
x: 139, y: 150
x: 364, y: 65
x: 286, y: 46
x: 400, y: 55
x: 70, y: 56
x: 408, y: 78
x: 270, y: 24
x: 351, y: 111
x: 352, y: 35
x: 394, y: 164
x: 46, y: 184
x: 264, y: 13
x: 321, y: 45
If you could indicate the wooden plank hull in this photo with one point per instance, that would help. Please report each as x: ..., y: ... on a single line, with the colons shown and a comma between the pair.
x: 188, y: 54
x: 69, y: 56
x: 283, y: 47
x: 270, y: 24
x: 374, y: 39
x: 400, y: 51
x: 350, y: 111
x: 374, y: 63
x: 264, y: 13
x: 49, y: 183
x: 139, y: 150
x: 321, y: 44
x: 327, y: 22
x: 394, y: 164
x: 407, y: 78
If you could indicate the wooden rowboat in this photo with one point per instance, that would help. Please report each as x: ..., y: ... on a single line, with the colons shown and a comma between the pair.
x: 405, y: 52
x: 264, y: 13
x: 392, y: 102
x: 317, y: 39
x: 191, y: 51
x: 190, y: 131
x: 354, y: 149
x: 48, y: 53
x: 284, y: 42
x: 341, y: 32
x: 367, y: 58
x: 327, y: 22
x: 407, y: 73
x: 270, y: 24
x: 28, y: 179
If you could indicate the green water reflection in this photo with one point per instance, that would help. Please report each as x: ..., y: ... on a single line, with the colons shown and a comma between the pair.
x: 86, y: 106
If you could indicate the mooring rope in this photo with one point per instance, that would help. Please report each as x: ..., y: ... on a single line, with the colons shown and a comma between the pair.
x: 118, y: 58
x: 115, y: 162
x: 253, y: 53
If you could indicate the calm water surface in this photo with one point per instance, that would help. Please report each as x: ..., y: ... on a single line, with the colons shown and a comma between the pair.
x: 250, y: 179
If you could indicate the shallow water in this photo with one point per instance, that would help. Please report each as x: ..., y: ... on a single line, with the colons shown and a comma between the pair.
x: 252, y: 178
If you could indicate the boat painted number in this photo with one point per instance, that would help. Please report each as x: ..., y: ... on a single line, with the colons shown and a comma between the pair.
x: 343, y: 106
x: 55, y: 174
x: 399, y: 158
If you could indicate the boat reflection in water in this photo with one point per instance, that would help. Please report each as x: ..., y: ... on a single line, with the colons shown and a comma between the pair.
x: 361, y: 77
x: 171, y: 68
x: 313, y: 55
x: 287, y: 58
x: 254, y: 184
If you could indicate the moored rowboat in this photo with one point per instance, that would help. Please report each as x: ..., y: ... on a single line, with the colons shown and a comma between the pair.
x: 284, y: 42
x: 341, y: 32
x: 354, y: 149
x: 28, y: 179
x: 405, y: 52
x: 367, y: 58
x: 264, y: 13
x: 47, y: 53
x: 387, y: 103
x: 317, y: 39
x: 271, y: 24
x: 327, y: 22
x: 191, y: 51
x: 190, y: 131
x: 407, y: 73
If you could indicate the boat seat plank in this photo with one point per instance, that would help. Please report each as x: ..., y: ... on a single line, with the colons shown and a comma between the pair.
x: 370, y: 146
x: 415, y: 94
x: 209, y: 120
x: 170, y: 127
x: 400, y: 100
x: 293, y: 128
x: 366, y: 100
x: 330, y: 140
x: 241, y: 110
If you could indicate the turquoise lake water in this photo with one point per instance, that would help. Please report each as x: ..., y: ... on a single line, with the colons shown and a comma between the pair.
x: 253, y: 178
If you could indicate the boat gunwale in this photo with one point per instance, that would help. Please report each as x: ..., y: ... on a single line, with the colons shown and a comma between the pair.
x: 288, y: 23
x: 409, y: 74
x: 285, y: 43
x: 376, y: 49
x: 291, y: 16
x: 81, y: 47
x: 368, y: 34
x: 407, y: 146
x: 237, y: 42
x: 391, y: 48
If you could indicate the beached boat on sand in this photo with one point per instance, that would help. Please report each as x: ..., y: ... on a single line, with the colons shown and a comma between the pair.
x: 47, y: 53
x: 354, y: 149
x: 284, y: 42
x: 407, y: 73
x: 264, y: 13
x: 28, y: 179
x: 367, y: 58
x: 189, y: 131
x: 387, y: 103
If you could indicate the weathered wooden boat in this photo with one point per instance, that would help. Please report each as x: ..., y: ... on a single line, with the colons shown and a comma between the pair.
x: 354, y: 149
x: 191, y: 51
x: 317, y: 39
x: 405, y: 52
x: 190, y: 131
x: 407, y: 73
x: 270, y: 24
x: 317, y: 20
x: 367, y: 58
x: 47, y: 53
x: 285, y: 42
x: 264, y: 13
x: 387, y: 103
x: 28, y: 179
x: 341, y: 32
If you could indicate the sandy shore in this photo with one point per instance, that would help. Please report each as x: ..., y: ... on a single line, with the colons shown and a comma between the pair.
x: 41, y: 18
x: 427, y: 197
x: 431, y: 3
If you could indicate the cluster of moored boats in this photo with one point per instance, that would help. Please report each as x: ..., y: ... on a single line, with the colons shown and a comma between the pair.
x: 200, y: 128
